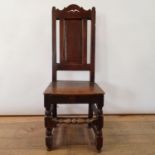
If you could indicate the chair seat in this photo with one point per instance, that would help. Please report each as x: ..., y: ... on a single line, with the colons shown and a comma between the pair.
x: 73, y: 88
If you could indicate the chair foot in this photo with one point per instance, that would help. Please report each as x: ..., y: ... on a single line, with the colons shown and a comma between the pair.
x: 49, y: 143
x: 48, y: 139
x: 99, y: 141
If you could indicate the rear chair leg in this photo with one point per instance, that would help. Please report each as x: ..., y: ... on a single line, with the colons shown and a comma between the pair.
x: 90, y: 113
x: 48, y: 139
x: 54, y: 110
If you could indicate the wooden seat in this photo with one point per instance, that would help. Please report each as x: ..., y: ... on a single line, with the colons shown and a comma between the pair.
x: 73, y: 56
x: 73, y: 88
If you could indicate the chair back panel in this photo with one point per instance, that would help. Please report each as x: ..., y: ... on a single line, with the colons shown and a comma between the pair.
x: 73, y: 39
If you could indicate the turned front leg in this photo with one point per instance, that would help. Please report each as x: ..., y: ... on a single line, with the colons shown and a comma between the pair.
x: 48, y: 138
x: 99, y: 126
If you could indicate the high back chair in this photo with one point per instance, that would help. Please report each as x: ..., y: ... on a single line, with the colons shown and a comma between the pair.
x: 73, y: 56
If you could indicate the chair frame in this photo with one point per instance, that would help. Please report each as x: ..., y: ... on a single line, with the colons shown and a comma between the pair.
x: 96, y: 101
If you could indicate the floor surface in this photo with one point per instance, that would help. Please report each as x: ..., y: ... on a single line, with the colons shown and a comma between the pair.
x: 123, y: 135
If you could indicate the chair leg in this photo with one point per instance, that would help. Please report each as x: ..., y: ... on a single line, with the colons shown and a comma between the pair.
x: 55, y: 110
x: 90, y: 113
x: 99, y: 126
x: 99, y: 140
x: 48, y: 138
x: 99, y: 135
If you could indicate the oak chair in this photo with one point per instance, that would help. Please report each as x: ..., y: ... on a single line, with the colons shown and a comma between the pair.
x: 73, y: 56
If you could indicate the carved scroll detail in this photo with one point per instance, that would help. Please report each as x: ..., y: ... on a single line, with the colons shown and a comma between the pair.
x: 73, y: 10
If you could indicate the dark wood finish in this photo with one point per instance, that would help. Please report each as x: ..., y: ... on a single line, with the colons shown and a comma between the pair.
x: 73, y: 49
x: 62, y: 43
x: 73, y: 56
x: 84, y: 41
x: 92, y: 70
x: 73, y: 67
x: 54, y: 77
x: 73, y: 88
x: 73, y: 40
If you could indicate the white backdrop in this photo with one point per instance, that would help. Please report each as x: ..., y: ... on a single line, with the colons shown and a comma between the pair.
x: 125, y: 54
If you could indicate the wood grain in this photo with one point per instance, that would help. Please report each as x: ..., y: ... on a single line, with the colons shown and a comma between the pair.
x: 73, y: 40
x: 73, y: 56
x: 73, y: 88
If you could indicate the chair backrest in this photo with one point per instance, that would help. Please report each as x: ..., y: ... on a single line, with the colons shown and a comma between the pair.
x: 73, y: 40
